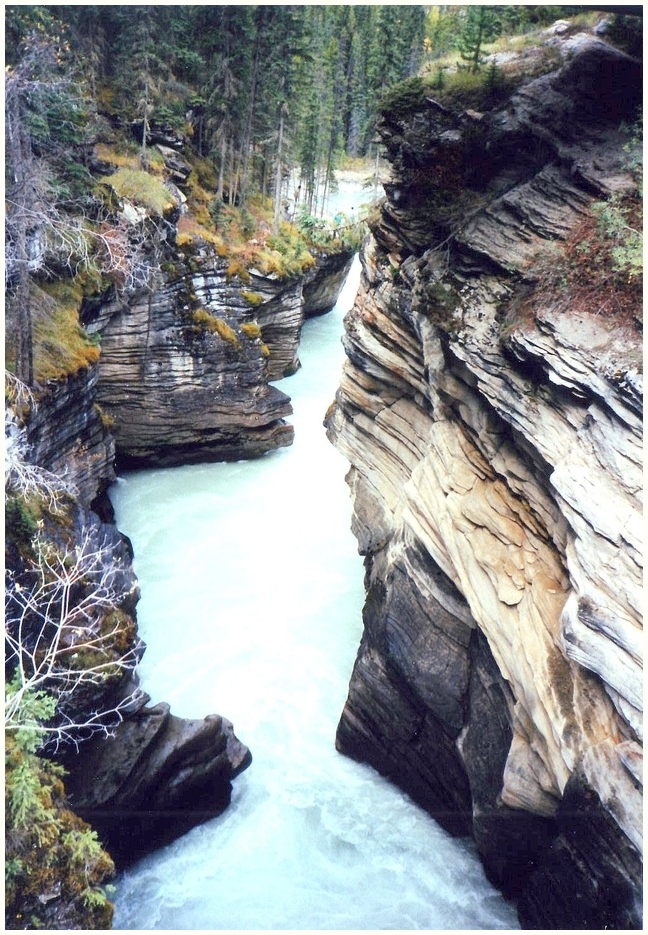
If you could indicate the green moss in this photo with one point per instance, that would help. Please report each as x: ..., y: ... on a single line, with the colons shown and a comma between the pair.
x: 251, y: 329
x: 142, y: 189
x: 214, y: 325
x: 61, y: 346
x: 252, y: 298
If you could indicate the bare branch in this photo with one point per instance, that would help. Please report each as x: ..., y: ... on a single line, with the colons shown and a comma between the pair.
x: 61, y: 636
x: 22, y: 478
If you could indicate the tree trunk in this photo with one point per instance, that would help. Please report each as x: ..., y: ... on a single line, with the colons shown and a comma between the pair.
x: 247, y: 140
x: 23, y: 207
x: 278, y: 169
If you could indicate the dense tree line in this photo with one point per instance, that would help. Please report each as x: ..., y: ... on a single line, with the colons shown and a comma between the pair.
x: 261, y: 88
x: 269, y: 97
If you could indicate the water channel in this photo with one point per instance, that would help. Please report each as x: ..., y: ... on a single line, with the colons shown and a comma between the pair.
x: 252, y: 591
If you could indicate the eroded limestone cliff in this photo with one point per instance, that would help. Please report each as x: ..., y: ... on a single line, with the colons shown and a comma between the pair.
x: 494, y: 433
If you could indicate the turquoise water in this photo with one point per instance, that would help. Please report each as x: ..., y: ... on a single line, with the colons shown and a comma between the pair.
x: 252, y: 591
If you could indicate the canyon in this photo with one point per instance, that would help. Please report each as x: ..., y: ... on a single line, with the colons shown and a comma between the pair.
x: 492, y: 421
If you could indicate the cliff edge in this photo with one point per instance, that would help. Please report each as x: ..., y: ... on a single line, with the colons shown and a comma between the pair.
x: 491, y: 411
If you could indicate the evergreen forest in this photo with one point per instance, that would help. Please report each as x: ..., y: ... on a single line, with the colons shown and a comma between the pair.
x: 265, y: 103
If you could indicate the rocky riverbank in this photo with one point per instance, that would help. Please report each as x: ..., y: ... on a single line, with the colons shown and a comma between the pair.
x: 183, y: 376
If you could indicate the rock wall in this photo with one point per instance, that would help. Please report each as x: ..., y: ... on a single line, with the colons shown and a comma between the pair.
x: 495, y: 449
x: 181, y: 378
x: 324, y: 281
x: 185, y: 368
x: 68, y: 434
x: 156, y: 777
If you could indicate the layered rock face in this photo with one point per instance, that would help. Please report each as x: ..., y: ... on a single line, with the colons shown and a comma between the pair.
x: 495, y: 448
x: 323, y: 282
x: 68, y: 436
x: 183, y: 379
x: 185, y: 367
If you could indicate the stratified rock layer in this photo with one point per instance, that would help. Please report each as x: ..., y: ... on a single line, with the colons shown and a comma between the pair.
x: 185, y: 368
x: 495, y: 449
x: 182, y: 379
x: 67, y: 435
x: 324, y: 281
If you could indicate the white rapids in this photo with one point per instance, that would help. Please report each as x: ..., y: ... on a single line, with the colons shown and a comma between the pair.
x: 252, y: 591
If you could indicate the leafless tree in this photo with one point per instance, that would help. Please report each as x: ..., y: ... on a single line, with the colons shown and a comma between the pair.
x: 21, y: 477
x: 40, y: 237
x: 65, y: 635
x: 58, y: 640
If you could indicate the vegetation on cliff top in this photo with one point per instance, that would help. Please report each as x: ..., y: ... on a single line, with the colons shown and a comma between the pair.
x: 245, y: 104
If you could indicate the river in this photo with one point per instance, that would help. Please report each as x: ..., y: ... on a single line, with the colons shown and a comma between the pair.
x: 252, y: 591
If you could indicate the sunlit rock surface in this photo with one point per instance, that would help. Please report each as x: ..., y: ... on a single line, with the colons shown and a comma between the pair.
x: 495, y: 450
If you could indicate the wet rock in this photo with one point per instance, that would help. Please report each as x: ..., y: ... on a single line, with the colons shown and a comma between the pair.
x: 323, y: 282
x: 155, y: 778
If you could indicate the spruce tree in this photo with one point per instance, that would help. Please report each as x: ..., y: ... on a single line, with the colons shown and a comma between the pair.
x: 481, y: 25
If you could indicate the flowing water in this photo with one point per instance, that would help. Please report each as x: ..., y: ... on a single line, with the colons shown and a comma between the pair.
x: 252, y: 591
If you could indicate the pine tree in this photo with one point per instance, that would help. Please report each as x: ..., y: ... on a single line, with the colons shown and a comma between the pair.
x: 481, y: 25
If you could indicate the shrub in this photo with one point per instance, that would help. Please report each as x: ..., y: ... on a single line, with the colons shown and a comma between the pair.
x: 20, y: 524
x: 236, y: 268
x: 54, y: 861
x: 403, y: 98
x: 619, y: 224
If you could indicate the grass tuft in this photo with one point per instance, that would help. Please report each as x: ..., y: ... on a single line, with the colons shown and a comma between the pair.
x: 142, y: 189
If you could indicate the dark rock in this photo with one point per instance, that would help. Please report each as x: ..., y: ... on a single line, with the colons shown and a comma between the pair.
x: 323, y: 282
x: 175, y: 165
x: 67, y: 435
x: 400, y: 721
x: 590, y: 877
x: 158, y: 135
x: 510, y: 841
x: 154, y: 779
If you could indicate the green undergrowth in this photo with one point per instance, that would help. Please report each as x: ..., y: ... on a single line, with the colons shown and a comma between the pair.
x: 142, y: 188
x: 61, y: 346
x: 55, y: 867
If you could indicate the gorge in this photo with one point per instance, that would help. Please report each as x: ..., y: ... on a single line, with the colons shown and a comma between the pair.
x: 489, y: 414
x: 256, y: 561
x: 494, y: 432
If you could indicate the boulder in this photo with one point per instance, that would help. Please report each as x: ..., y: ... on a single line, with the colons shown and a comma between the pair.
x: 154, y: 778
